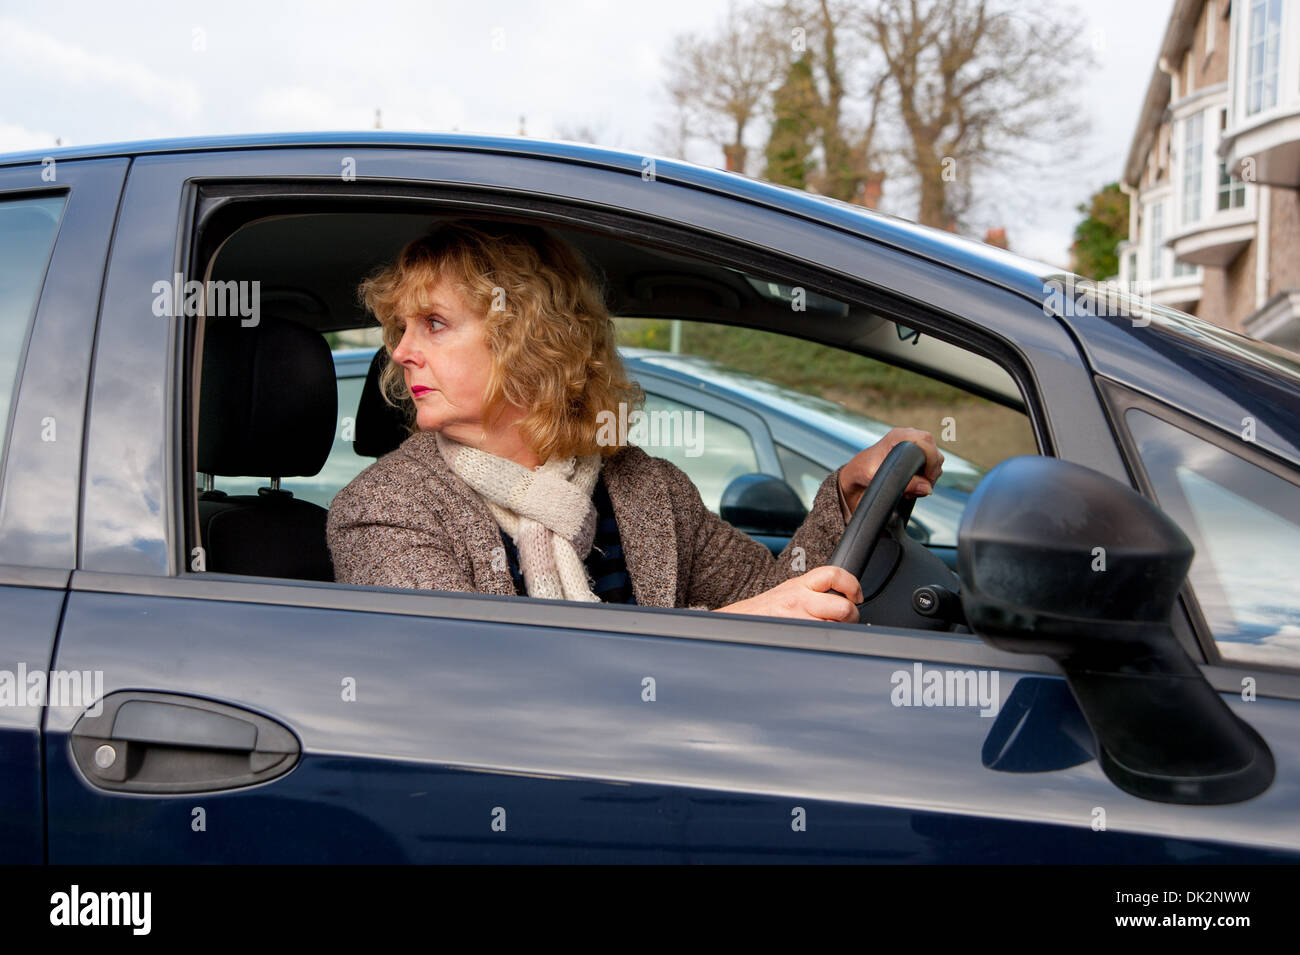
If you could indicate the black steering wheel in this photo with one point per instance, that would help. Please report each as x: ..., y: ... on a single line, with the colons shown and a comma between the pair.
x: 903, y: 584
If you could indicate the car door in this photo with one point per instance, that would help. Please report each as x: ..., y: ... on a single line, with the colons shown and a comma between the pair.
x: 55, y: 221
x: 258, y: 719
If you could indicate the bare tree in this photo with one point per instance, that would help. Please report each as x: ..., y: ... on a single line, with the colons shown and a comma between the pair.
x: 580, y: 132
x: 720, y: 85
x: 961, y: 101
x: 848, y: 149
x: 595, y: 131
x: 975, y: 82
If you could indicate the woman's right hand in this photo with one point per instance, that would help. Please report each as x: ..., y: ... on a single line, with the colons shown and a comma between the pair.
x: 809, y: 596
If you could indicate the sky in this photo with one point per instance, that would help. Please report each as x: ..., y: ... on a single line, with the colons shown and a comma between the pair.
x: 109, y: 72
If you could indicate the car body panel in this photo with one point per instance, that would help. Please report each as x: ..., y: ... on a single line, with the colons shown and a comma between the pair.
x: 453, y: 718
x: 31, y: 620
x: 1224, y: 388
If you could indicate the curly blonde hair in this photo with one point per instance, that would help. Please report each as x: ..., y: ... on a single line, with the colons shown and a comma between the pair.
x: 545, y: 323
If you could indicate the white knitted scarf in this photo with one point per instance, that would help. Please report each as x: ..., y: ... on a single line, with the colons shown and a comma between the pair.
x: 547, y: 512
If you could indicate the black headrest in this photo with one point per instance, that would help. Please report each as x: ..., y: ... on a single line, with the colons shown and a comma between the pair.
x: 380, y: 426
x: 269, y: 402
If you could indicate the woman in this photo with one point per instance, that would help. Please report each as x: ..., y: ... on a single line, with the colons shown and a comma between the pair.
x: 500, y: 339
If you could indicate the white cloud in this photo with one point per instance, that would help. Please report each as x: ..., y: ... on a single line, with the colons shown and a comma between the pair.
x: 302, y: 108
x: 54, y: 62
x: 17, y: 139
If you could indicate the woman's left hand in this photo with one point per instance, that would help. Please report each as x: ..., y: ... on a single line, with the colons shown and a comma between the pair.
x: 857, y: 474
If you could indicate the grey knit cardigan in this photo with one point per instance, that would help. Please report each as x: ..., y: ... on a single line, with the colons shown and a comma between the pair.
x: 409, y: 521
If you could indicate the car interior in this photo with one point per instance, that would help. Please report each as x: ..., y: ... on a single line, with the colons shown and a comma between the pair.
x: 268, y: 412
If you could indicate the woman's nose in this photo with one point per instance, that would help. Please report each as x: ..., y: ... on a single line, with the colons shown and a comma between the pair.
x: 405, y: 350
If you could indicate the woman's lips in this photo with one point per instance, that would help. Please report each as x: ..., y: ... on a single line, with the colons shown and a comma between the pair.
x: 419, y: 391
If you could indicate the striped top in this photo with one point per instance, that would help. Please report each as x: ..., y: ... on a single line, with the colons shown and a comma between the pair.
x: 605, y: 563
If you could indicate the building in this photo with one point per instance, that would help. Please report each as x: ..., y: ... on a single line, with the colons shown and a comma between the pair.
x: 1213, y: 173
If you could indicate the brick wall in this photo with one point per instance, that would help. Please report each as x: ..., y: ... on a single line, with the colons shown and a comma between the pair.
x: 1284, y: 240
x: 1208, y: 70
x: 1239, y: 279
x: 1215, y: 305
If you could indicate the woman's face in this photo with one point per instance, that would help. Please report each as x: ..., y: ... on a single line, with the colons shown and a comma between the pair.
x: 446, y: 363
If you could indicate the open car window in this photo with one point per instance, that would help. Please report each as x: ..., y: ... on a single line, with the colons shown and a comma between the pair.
x: 732, y: 400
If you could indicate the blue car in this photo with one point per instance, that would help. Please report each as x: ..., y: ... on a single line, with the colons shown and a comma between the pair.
x: 1090, y: 653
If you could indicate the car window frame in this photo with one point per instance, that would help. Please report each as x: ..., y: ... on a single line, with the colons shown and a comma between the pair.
x: 767, y: 448
x: 719, y: 407
x: 682, y: 247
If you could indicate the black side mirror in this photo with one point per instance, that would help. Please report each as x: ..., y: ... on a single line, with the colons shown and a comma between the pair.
x: 1061, y: 560
x: 762, y: 504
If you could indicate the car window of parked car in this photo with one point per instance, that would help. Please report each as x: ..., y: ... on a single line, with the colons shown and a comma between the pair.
x: 801, y: 473
x: 712, y: 451
x: 1245, y: 525
x: 27, y: 231
x: 822, y: 405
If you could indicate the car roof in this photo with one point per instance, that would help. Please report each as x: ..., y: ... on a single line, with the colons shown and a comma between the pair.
x: 353, y: 361
x: 989, y: 262
x: 697, y: 371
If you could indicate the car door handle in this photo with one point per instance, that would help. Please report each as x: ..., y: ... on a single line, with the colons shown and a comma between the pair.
x: 167, y: 743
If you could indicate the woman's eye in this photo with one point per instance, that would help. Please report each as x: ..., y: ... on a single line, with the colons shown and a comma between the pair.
x: 434, y: 322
